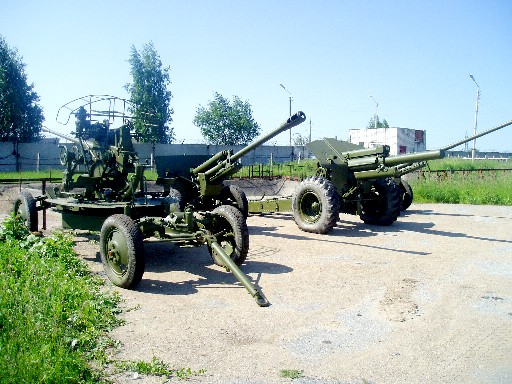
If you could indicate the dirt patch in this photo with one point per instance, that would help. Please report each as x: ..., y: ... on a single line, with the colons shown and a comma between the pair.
x: 428, y: 299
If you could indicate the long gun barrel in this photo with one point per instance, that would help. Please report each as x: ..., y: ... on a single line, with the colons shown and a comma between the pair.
x: 84, y: 145
x: 221, y: 159
x: 61, y: 135
x: 291, y: 122
x: 397, y: 166
x: 209, y: 175
x: 476, y: 136
x: 439, y: 153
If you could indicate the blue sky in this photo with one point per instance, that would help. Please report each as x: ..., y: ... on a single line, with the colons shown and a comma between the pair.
x: 413, y: 57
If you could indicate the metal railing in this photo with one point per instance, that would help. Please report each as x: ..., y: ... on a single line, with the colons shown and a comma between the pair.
x: 442, y: 174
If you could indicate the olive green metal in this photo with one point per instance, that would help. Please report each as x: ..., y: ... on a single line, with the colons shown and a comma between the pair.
x: 414, y: 157
x: 373, y: 163
x: 358, y: 176
x: 260, y: 298
x: 310, y: 207
x: 440, y: 153
x: 109, y: 158
x: 398, y: 171
x: 211, y: 161
x: 270, y: 205
x: 210, y: 174
x: 111, y: 197
x: 117, y: 253
x: 82, y: 221
x: 291, y: 122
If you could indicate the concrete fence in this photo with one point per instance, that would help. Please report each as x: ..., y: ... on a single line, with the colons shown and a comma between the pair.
x: 45, y: 155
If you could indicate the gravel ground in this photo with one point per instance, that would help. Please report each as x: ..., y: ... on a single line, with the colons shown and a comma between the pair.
x: 426, y: 300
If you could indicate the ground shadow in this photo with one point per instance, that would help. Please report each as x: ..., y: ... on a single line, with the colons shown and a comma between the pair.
x: 428, y: 228
x: 164, y: 257
x: 354, y: 229
x: 335, y: 236
x: 430, y: 212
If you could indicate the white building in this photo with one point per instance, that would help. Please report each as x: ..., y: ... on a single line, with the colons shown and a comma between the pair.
x: 400, y: 140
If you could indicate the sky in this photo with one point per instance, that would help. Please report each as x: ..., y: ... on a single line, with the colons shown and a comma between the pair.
x: 341, y: 61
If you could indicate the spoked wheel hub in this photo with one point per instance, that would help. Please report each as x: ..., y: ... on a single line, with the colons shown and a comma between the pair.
x: 310, y: 207
x: 117, y: 253
x: 315, y: 205
x: 122, y: 251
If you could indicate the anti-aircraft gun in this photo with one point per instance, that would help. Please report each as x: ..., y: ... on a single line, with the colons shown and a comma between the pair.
x: 104, y: 189
x: 354, y: 181
x: 107, y: 157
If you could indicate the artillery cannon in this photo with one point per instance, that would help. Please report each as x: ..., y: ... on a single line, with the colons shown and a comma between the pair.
x: 111, y: 195
x: 202, y: 186
x: 355, y: 181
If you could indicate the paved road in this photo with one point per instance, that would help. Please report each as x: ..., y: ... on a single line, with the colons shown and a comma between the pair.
x: 426, y: 300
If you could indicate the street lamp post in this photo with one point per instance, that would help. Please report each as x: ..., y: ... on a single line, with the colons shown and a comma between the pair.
x: 476, y: 117
x: 290, y: 110
x: 376, y: 117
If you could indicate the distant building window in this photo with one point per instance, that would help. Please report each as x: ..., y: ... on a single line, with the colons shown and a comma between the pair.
x: 418, y: 136
x: 403, y: 149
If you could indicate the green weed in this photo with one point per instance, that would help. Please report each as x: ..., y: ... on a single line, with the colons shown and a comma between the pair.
x: 51, y: 173
x: 485, y: 188
x: 291, y: 373
x: 450, y: 163
x: 54, y: 318
x: 54, y: 315
x: 156, y: 368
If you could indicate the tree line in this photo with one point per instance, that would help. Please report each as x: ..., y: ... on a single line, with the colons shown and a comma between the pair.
x: 222, y: 121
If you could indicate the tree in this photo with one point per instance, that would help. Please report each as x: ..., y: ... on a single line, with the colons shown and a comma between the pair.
x: 21, y: 116
x: 150, y: 96
x: 225, y: 122
x: 299, y: 140
x: 380, y: 124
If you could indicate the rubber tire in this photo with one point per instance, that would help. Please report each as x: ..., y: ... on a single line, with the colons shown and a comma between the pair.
x: 236, y: 234
x: 25, y: 206
x: 407, y: 194
x: 386, y: 209
x: 315, y: 205
x: 236, y: 195
x: 121, y: 231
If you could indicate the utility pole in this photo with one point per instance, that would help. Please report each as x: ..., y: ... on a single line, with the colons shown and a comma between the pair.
x: 476, y: 117
x: 310, y: 129
x: 290, y: 110
x: 376, y: 117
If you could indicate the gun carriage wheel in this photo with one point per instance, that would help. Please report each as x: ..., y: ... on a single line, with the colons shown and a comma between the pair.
x: 97, y: 169
x: 381, y: 206
x: 122, y: 251
x: 25, y: 206
x: 234, y: 194
x: 231, y: 234
x: 407, y: 194
x: 65, y: 156
x: 315, y: 205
